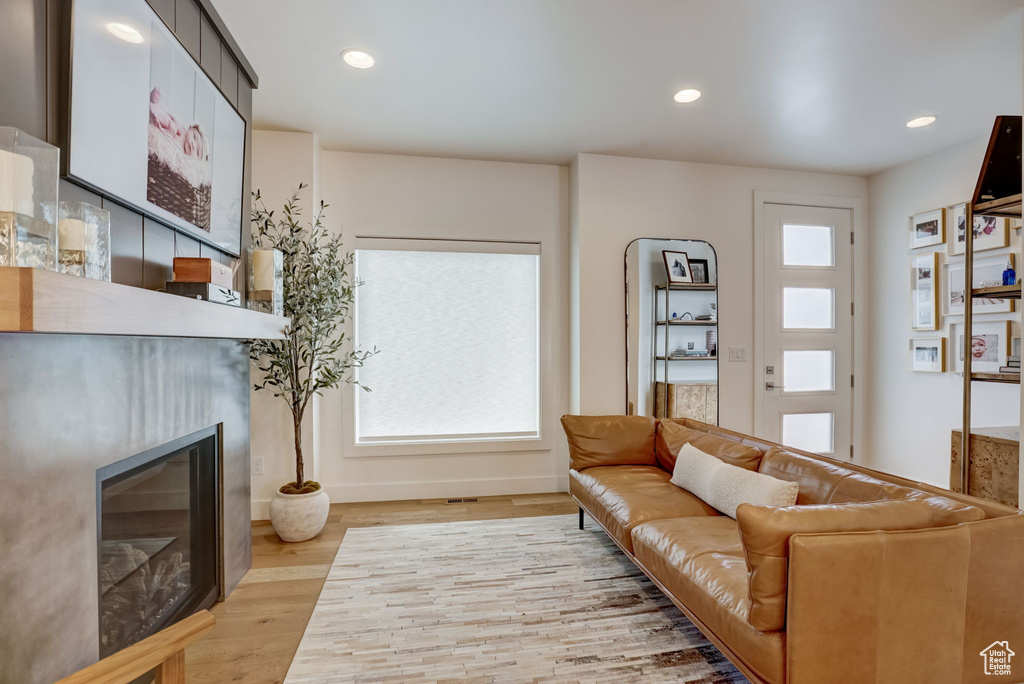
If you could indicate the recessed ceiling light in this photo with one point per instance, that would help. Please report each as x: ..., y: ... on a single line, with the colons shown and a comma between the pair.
x: 125, y: 32
x: 688, y: 95
x: 921, y: 121
x: 360, y: 59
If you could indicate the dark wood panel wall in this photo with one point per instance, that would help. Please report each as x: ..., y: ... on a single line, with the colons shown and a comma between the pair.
x: 33, y: 59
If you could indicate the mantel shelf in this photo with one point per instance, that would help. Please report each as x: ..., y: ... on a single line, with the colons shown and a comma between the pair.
x: 33, y: 300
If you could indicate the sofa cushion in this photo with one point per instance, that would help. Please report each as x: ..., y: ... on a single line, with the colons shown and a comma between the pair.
x: 765, y: 532
x: 726, y: 486
x: 622, y: 497
x: 822, y: 483
x: 609, y: 440
x: 700, y: 561
x: 671, y: 436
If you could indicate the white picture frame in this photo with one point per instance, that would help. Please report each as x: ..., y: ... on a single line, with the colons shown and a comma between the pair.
x: 990, y: 232
x: 928, y: 229
x: 990, y: 346
x: 928, y: 354
x: 924, y: 292
x: 987, y: 273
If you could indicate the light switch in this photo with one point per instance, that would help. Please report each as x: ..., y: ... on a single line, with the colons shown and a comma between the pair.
x: 737, y: 353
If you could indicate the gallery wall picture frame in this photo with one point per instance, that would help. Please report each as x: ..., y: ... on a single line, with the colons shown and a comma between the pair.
x: 990, y: 345
x: 699, y: 271
x: 924, y: 291
x: 677, y: 267
x: 990, y: 232
x: 928, y: 229
x: 928, y: 354
x: 988, y: 272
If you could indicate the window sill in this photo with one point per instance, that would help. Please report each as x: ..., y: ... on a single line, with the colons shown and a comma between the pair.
x: 441, y: 448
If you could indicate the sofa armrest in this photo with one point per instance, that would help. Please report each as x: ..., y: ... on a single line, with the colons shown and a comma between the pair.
x: 908, y: 606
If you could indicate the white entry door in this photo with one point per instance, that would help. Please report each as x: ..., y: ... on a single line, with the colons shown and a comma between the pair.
x: 807, y: 342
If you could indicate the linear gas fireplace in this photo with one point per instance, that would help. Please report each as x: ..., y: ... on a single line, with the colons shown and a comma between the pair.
x: 158, y: 538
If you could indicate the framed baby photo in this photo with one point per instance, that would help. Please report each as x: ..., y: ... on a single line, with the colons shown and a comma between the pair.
x: 990, y: 344
x: 990, y: 232
x: 928, y: 355
x: 924, y: 290
x: 677, y: 266
x: 928, y: 229
x: 987, y: 273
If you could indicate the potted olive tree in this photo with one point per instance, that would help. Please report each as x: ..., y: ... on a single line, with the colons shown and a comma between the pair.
x: 315, y: 355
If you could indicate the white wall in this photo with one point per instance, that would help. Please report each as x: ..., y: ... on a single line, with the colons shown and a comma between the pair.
x: 910, y: 415
x: 618, y: 199
x: 396, y: 196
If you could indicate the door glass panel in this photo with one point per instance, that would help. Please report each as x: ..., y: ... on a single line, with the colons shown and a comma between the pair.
x: 808, y: 371
x: 808, y: 245
x: 808, y: 308
x: 808, y: 431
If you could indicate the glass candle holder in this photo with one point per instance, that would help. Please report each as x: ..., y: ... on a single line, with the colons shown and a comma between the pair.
x: 29, y: 169
x: 83, y: 240
x: 266, y: 281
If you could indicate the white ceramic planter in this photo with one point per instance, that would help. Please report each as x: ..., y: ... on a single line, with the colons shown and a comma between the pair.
x: 298, y: 517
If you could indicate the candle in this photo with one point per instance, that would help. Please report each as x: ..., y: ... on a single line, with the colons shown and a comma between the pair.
x: 16, y: 183
x: 263, y: 269
x: 72, y: 235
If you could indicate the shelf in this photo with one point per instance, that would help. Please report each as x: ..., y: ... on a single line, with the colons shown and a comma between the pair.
x: 687, y: 358
x: 1007, y: 207
x: 33, y: 300
x: 698, y: 287
x: 1005, y: 378
x: 998, y: 292
x: 699, y: 324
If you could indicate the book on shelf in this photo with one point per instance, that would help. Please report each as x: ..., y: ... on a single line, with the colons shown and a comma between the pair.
x: 1014, y: 370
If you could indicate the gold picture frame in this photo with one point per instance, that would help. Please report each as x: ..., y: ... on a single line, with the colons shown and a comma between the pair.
x: 924, y: 292
x: 928, y: 354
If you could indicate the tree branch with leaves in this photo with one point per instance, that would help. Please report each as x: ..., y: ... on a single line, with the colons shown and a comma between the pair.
x: 319, y: 292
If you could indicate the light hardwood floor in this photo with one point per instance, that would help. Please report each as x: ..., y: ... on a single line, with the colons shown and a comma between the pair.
x: 260, y: 625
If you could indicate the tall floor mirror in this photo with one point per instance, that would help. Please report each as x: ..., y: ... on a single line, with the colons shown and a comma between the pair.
x: 672, y: 329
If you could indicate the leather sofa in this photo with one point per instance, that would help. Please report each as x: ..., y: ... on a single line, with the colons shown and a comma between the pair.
x: 908, y: 603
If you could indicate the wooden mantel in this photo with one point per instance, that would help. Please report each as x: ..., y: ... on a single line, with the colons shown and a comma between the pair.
x: 33, y: 300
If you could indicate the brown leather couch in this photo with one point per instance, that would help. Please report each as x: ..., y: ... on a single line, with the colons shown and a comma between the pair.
x: 896, y: 592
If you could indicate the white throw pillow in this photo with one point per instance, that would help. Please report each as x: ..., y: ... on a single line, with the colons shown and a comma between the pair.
x: 724, y: 487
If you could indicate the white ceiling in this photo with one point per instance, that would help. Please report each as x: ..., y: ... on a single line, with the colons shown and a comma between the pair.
x: 823, y: 85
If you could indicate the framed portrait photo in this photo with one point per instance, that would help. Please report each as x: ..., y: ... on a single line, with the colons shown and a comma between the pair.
x: 989, y: 346
x: 677, y: 266
x: 928, y: 355
x: 924, y: 289
x: 990, y: 232
x: 987, y: 273
x: 928, y: 229
x: 699, y: 270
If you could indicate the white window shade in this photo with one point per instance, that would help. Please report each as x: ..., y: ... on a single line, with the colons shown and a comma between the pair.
x: 459, y: 338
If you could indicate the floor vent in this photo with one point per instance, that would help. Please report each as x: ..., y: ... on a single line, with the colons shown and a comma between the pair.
x: 455, y: 501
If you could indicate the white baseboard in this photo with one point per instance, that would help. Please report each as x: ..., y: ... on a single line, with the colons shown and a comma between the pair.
x: 400, y: 491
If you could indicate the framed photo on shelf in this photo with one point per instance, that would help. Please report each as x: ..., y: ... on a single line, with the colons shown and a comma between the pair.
x: 699, y: 270
x: 928, y: 355
x: 928, y: 229
x: 924, y: 286
x: 677, y: 266
x: 990, y: 232
x: 990, y: 344
x: 987, y: 273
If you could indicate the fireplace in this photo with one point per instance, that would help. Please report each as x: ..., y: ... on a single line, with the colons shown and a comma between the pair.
x: 158, y: 538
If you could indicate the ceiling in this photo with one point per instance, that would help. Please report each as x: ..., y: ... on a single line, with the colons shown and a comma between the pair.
x: 822, y: 85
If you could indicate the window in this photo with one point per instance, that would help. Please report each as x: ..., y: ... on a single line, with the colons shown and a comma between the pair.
x: 457, y: 324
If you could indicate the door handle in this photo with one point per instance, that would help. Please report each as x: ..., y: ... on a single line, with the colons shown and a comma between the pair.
x: 772, y: 385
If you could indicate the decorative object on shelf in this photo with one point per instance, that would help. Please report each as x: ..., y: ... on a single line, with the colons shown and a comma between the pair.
x: 319, y: 292
x: 711, y: 341
x: 928, y: 229
x: 987, y: 273
x: 266, y: 281
x: 1009, y: 275
x: 83, y: 240
x: 677, y: 267
x: 928, y: 354
x: 699, y: 271
x: 166, y: 140
x: 203, y: 270
x: 990, y: 232
x: 205, y: 291
x: 924, y: 284
x: 990, y: 345
x: 1015, y: 347
x: 29, y: 169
